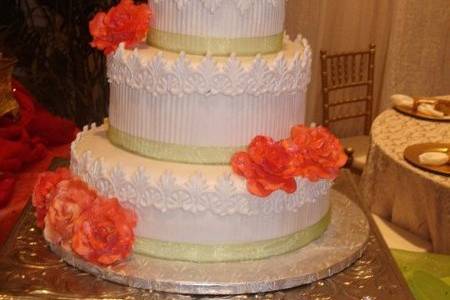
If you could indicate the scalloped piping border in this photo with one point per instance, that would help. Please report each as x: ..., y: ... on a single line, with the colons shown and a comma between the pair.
x: 165, y: 192
x: 159, y: 76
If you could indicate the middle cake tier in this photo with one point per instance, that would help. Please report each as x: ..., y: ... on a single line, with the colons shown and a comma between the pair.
x: 202, y: 109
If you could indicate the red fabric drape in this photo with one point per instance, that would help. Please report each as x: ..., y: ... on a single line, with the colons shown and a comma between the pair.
x: 27, y: 146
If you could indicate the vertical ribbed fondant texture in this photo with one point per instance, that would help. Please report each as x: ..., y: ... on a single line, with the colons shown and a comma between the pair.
x: 228, y: 19
x: 200, y: 120
x: 222, y: 28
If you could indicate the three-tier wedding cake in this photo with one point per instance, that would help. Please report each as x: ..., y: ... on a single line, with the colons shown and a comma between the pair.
x: 186, y: 145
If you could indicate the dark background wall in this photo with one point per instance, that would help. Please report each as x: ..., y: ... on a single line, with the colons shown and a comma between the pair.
x: 50, y: 39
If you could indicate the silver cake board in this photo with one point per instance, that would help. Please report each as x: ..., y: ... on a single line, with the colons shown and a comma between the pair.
x: 342, y: 244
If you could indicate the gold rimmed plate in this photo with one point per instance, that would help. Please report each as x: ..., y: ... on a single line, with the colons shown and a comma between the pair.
x: 411, y: 155
x: 415, y: 114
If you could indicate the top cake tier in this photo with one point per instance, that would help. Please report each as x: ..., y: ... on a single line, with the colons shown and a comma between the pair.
x: 217, y: 27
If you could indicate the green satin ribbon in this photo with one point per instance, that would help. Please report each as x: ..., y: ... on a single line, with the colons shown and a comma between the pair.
x: 199, y: 45
x: 231, y: 252
x: 172, y: 152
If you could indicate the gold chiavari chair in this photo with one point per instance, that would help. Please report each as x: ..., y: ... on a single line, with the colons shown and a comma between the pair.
x: 347, y: 89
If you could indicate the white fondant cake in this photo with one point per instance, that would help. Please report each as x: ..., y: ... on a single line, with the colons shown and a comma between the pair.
x: 176, y: 119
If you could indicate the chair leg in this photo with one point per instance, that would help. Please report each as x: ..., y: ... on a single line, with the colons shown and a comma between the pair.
x: 349, y: 152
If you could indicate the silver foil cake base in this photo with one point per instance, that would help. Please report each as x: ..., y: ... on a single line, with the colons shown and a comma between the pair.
x: 342, y: 244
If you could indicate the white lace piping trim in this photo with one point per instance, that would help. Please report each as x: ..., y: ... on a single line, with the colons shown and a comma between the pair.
x: 159, y: 76
x: 226, y: 197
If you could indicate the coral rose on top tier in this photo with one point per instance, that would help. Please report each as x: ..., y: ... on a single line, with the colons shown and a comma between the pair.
x: 70, y: 199
x: 318, y: 154
x: 266, y: 166
x: 104, y: 233
x: 42, y: 193
x: 126, y: 22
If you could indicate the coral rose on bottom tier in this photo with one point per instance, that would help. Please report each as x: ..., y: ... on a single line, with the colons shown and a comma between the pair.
x: 76, y: 218
x: 104, y: 233
x: 317, y: 153
x: 69, y: 200
x: 266, y: 165
x: 312, y: 153
x: 42, y: 193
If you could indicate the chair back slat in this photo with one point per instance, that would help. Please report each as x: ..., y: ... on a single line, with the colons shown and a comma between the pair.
x: 361, y: 66
x: 347, y: 86
x: 347, y: 69
x: 353, y: 67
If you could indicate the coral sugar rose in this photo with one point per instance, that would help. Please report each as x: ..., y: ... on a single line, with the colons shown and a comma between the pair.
x: 318, y: 153
x: 43, y: 190
x: 71, y: 198
x: 104, y: 233
x: 265, y: 166
x: 126, y: 22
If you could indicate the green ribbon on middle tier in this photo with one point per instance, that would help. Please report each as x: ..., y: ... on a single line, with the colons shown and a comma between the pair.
x: 200, y: 45
x: 208, y: 155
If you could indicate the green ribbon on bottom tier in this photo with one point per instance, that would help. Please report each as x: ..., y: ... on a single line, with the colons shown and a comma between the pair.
x: 210, y: 155
x: 202, y: 45
x: 231, y: 252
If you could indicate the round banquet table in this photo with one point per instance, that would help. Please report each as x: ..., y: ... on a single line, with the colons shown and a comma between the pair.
x: 416, y: 200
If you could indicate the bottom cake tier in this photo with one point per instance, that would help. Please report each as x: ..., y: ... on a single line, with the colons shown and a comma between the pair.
x: 200, y: 213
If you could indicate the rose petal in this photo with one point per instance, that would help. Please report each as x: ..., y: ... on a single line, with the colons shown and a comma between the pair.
x: 124, y: 23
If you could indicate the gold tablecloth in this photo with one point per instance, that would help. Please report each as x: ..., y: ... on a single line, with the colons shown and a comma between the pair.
x: 416, y: 200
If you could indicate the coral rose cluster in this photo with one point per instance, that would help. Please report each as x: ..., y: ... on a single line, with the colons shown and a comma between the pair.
x: 75, y: 217
x: 44, y: 191
x: 124, y: 23
x: 268, y: 165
